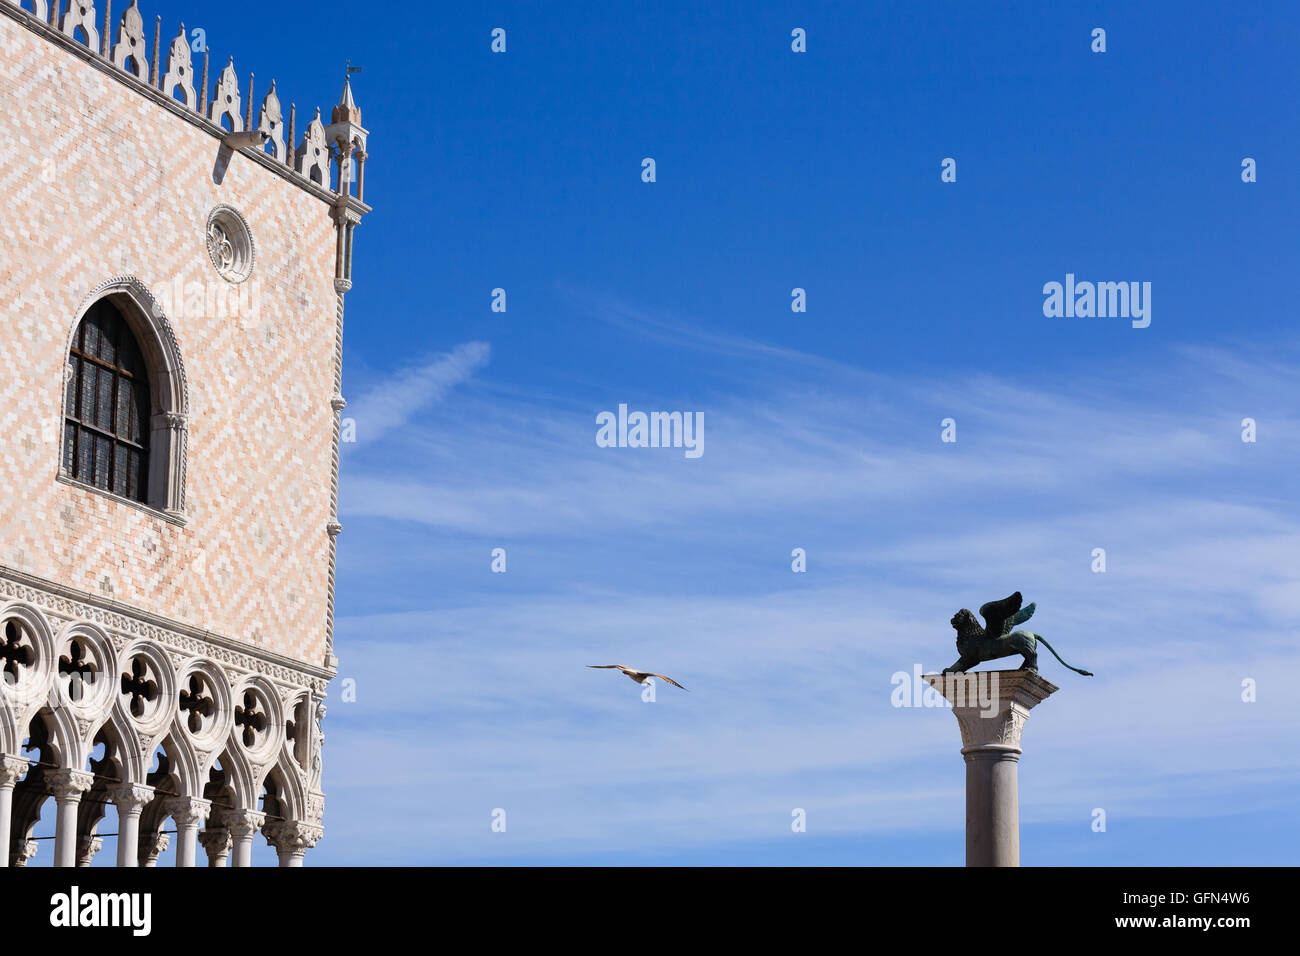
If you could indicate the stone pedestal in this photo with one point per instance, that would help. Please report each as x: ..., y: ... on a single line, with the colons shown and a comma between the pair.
x: 991, y: 708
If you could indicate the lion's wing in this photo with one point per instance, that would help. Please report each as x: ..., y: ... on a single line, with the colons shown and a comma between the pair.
x: 1018, y: 618
x: 997, y: 613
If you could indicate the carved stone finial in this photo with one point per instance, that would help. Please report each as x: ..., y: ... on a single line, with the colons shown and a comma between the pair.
x: 180, y: 70
x: 130, y: 42
x: 81, y: 13
x: 225, y: 99
x: 271, y: 121
x: 313, y: 156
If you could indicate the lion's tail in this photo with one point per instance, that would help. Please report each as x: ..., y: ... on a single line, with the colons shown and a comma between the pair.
x: 1058, y: 657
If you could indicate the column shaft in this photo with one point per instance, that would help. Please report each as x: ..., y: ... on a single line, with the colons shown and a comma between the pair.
x: 992, y: 808
x: 6, y: 820
x: 65, y: 830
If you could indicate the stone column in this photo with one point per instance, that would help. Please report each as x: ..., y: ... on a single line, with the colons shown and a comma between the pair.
x: 291, y: 840
x: 991, y: 708
x: 189, y: 814
x: 67, y: 787
x: 130, y: 799
x: 11, y: 768
x: 216, y: 843
x: 242, y: 825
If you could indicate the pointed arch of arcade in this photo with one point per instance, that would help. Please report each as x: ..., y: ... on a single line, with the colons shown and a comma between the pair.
x: 83, y: 716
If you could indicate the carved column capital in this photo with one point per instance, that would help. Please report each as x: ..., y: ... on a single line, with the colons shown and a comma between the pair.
x: 130, y: 797
x: 11, y: 768
x: 188, y: 811
x: 291, y: 835
x: 69, y: 784
x: 24, y: 852
x: 152, y: 846
x: 242, y: 823
x: 87, y: 847
x: 216, y: 843
x: 991, y: 706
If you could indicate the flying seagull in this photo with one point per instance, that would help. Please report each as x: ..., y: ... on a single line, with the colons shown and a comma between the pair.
x: 638, y: 676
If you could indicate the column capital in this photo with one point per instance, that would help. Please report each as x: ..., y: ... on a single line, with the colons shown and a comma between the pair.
x: 152, y: 846
x: 11, y: 768
x: 291, y: 835
x: 25, y: 851
x: 991, y: 706
x: 69, y: 784
x: 242, y: 823
x: 216, y: 842
x: 130, y: 797
x: 188, y: 811
x: 87, y: 847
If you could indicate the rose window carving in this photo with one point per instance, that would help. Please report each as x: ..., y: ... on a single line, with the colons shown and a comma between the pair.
x: 230, y: 244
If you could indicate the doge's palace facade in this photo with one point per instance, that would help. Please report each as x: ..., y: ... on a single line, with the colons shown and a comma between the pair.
x: 171, y: 317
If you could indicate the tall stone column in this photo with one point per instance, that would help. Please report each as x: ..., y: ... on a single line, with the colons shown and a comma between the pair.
x: 991, y: 708
x: 130, y: 800
x: 188, y: 814
x: 11, y: 768
x: 68, y: 786
x: 242, y: 826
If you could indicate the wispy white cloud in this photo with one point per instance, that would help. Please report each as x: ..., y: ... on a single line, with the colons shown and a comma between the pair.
x: 393, y: 403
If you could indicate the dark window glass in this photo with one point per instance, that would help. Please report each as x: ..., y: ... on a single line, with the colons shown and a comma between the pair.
x: 69, y: 447
x: 104, y: 403
x: 106, y: 440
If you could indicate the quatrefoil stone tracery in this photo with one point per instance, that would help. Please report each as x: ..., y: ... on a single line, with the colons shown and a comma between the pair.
x: 230, y: 244
x: 15, y: 653
x: 197, y: 703
x: 138, y: 688
x: 220, y: 247
x: 78, y: 668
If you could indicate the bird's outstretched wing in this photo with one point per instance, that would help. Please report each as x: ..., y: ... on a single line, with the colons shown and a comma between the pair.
x: 1015, y: 620
x: 996, y: 613
x: 669, y: 679
x: 619, y: 667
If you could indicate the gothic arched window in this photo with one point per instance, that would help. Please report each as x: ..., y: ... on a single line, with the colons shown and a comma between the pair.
x: 107, y: 406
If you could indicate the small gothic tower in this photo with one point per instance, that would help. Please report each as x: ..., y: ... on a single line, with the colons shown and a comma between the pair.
x: 173, y: 298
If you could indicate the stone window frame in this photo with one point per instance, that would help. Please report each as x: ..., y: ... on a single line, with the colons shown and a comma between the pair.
x: 169, y: 396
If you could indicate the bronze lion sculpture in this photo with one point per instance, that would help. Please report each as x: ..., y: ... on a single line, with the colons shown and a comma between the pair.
x: 996, y: 638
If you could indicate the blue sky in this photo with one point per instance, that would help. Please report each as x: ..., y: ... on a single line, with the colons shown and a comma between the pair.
x: 775, y: 170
